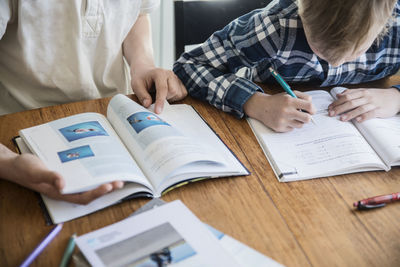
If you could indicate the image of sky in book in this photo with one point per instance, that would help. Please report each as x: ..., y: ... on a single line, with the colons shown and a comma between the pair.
x: 75, y: 153
x: 83, y: 130
x: 142, y: 120
x: 159, y: 246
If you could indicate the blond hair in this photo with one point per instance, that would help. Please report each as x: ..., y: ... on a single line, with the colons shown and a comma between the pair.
x: 338, y: 26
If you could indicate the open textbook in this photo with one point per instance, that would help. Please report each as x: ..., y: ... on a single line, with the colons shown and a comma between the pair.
x: 330, y: 147
x: 151, y: 153
x: 239, y: 252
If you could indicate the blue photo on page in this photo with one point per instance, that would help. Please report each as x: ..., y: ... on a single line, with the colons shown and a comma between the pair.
x: 83, y: 130
x: 142, y: 120
x: 75, y: 153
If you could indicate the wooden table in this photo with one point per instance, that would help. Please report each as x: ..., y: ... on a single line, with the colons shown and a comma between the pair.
x: 297, y: 224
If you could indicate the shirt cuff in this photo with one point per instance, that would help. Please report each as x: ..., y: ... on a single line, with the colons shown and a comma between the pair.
x: 238, y: 95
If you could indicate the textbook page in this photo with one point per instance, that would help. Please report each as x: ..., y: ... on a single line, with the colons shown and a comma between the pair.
x: 382, y: 134
x: 85, y: 150
x: 188, y: 121
x: 163, y: 150
x: 384, y: 137
x: 328, y: 147
x: 169, y: 235
x: 62, y: 211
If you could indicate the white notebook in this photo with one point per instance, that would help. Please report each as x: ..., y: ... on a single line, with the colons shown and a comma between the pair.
x: 330, y: 147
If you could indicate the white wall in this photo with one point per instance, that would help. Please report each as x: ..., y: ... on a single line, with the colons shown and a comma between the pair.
x: 164, y: 34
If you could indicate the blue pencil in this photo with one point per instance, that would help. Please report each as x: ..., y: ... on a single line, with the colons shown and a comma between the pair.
x: 284, y: 85
x: 42, y: 245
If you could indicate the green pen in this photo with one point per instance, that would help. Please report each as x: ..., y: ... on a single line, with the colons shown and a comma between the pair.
x: 68, y: 251
x: 284, y: 85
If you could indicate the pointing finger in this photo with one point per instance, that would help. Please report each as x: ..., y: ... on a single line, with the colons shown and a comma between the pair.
x: 161, y: 93
x: 139, y: 88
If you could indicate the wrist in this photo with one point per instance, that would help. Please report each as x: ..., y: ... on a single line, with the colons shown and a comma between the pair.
x: 142, y: 66
x: 251, y: 107
x: 146, y: 64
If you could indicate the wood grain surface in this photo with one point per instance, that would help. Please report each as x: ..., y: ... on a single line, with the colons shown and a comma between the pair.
x: 306, y: 223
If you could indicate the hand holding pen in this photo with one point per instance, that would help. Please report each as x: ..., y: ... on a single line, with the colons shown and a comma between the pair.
x: 285, y: 86
x: 376, y: 202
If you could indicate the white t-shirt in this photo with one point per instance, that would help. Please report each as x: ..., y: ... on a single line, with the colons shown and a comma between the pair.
x: 54, y: 52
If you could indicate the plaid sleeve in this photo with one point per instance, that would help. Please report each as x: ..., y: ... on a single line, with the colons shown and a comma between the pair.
x: 209, y: 71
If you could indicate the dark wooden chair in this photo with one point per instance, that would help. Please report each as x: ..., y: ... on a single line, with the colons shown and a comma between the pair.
x: 195, y: 21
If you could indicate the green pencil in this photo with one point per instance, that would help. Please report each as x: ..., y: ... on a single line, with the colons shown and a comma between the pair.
x: 68, y: 251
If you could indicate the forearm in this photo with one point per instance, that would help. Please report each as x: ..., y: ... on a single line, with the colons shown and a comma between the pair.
x: 225, y: 91
x: 211, y: 76
x: 209, y: 72
x: 137, y: 46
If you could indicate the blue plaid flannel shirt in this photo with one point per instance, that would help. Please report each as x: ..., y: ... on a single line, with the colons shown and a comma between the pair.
x: 274, y: 36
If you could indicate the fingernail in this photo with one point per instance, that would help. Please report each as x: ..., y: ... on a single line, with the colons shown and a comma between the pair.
x: 343, y: 118
x: 146, y: 102
x: 108, y: 188
x: 358, y: 119
x: 331, y: 113
x: 58, y: 184
x: 158, y: 110
x: 120, y: 185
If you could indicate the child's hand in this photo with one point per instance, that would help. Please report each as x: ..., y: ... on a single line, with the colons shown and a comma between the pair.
x: 364, y: 104
x: 29, y: 171
x: 167, y: 85
x: 280, y: 112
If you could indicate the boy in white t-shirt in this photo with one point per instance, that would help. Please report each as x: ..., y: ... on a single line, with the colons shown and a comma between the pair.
x: 64, y: 51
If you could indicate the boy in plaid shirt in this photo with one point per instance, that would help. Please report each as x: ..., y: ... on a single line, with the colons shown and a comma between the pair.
x: 323, y: 42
